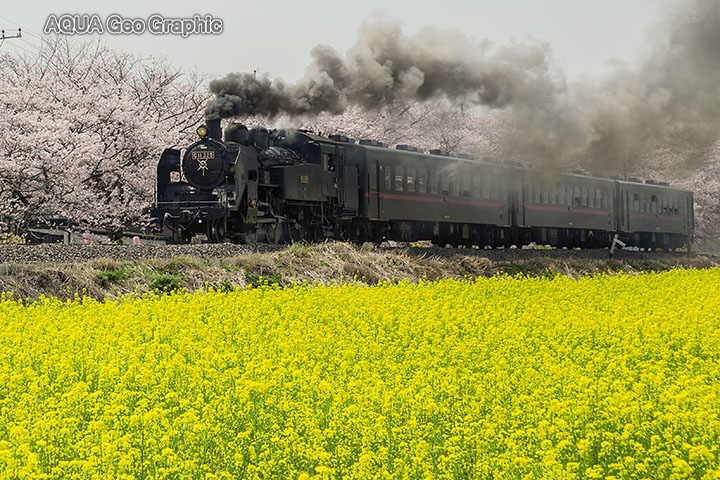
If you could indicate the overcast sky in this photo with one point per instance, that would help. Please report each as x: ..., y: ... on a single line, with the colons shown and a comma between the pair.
x: 586, y: 36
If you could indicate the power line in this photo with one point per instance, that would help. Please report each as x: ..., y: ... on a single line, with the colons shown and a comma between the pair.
x: 31, y: 44
x: 5, y: 37
x: 30, y: 32
x: 24, y: 50
x: 19, y: 36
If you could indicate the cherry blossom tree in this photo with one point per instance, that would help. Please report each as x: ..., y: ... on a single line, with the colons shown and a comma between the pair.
x: 81, y: 129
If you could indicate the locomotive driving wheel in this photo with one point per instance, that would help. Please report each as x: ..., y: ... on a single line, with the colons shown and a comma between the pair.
x: 273, y: 232
x: 217, y: 230
x: 296, y: 232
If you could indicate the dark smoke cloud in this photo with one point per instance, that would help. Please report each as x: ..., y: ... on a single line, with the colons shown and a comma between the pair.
x: 672, y: 98
x: 385, y: 66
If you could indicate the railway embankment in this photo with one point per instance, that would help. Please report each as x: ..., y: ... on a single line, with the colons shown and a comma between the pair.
x: 111, y: 271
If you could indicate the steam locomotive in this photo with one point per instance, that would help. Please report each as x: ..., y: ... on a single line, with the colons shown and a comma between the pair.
x: 255, y: 185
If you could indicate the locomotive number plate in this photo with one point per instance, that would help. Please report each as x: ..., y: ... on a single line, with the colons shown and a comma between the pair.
x: 209, y: 155
x: 304, y: 179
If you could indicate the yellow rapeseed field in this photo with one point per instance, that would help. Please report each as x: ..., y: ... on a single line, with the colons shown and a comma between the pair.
x: 533, y: 378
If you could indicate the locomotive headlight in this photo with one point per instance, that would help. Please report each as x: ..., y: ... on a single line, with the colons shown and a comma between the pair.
x: 202, y: 130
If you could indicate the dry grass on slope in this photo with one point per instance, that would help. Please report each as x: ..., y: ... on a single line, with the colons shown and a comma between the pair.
x: 321, y: 263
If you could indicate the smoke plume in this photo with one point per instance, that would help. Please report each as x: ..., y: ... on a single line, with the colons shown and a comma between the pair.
x: 672, y: 98
x: 385, y: 66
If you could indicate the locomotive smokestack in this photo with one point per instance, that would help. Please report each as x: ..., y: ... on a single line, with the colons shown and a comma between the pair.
x: 214, y: 130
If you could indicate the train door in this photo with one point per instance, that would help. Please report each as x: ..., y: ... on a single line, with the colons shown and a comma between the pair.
x: 625, y: 216
x: 513, y: 201
x: 372, y: 191
x: 348, y: 179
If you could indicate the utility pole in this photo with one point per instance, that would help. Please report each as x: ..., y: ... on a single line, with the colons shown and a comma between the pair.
x: 19, y: 35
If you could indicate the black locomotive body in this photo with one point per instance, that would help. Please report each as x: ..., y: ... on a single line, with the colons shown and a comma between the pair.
x: 282, y: 186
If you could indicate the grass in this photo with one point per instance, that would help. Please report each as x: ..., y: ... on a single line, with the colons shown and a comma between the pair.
x: 325, y: 263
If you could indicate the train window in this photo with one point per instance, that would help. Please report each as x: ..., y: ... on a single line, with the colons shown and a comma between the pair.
x: 422, y: 180
x: 577, y: 196
x: 399, y: 178
x: 433, y: 180
x: 568, y: 195
x: 529, y: 197
x: 486, y: 193
x: 454, y: 185
x: 465, y: 184
x: 654, y: 204
x: 636, y: 202
x: 411, y: 179
x: 476, y: 185
x: 388, y: 177
x: 561, y: 194
x: 584, y: 196
x: 444, y: 184
x: 554, y: 194
x: 538, y: 194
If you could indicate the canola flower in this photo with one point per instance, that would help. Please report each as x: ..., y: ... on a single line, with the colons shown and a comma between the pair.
x: 529, y: 378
